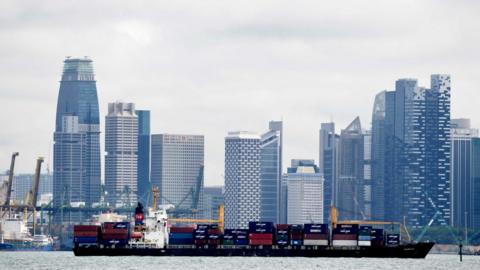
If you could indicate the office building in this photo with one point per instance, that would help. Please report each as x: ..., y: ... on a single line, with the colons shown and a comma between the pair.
x: 328, y: 164
x: 213, y: 199
x: 304, y: 189
x: 242, y: 179
x: 177, y: 170
x: 121, y: 139
x: 143, y: 157
x: 271, y: 172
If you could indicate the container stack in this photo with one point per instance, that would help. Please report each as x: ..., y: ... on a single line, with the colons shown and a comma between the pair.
x: 315, y: 235
x: 214, y: 235
x: 228, y: 237
x: 282, y: 238
x: 393, y: 240
x: 296, y: 234
x: 377, y: 237
x: 345, y: 235
x: 86, y: 235
x: 200, y: 235
x: 241, y: 237
x: 180, y: 236
x: 115, y: 233
x: 365, y: 236
x: 260, y: 233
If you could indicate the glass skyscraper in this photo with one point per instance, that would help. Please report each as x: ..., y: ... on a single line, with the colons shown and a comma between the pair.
x: 76, y: 164
x: 143, y: 161
x: 411, y: 152
x: 271, y: 172
x: 328, y: 164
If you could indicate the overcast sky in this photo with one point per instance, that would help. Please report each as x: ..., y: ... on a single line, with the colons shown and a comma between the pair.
x: 209, y: 67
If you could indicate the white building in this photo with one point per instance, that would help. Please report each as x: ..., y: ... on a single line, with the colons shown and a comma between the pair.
x: 303, y: 186
x: 121, y: 129
x: 242, y: 179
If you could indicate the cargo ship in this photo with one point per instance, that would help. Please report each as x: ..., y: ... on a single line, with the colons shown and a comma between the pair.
x: 152, y: 235
x: 14, y: 236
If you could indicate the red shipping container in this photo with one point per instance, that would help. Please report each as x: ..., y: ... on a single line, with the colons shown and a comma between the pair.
x: 181, y: 229
x: 115, y: 236
x: 215, y: 242
x: 85, y: 228
x: 261, y: 236
x: 214, y: 231
x: 344, y: 237
x: 260, y: 242
x: 114, y: 231
x: 315, y: 236
x: 282, y: 226
x: 85, y: 234
x: 200, y: 242
x: 296, y: 235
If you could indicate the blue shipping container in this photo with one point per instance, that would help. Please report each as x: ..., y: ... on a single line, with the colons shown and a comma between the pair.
x: 181, y: 236
x: 316, y: 228
x: 260, y: 227
x: 241, y: 242
x: 115, y: 242
x: 180, y: 241
x: 296, y: 227
x: 346, y: 229
x: 296, y: 242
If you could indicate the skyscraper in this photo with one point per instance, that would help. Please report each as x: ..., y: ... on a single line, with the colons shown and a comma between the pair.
x: 271, y: 172
x: 213, y: 199
x: 304, y: 188
x: 121, y: 131
x: 177, y: 169
x: 465, y: 202
x: 417, y: 156
x: 350, y: 185
x: 242, y: 179
x: 76, y: 164
x: 327, y: 163
x: 143, y: 160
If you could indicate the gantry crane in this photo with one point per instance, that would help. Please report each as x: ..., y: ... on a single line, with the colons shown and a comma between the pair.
x: 10, y: 179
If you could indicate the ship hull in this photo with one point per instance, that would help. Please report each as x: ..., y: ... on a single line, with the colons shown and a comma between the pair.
x: 419, y: 250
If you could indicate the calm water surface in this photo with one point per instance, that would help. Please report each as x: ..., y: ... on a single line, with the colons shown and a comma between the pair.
x: 66, y: 260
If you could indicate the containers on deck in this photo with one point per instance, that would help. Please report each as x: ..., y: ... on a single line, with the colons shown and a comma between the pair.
x: 115, y: 233
x: 86, y: 234
x: 393, y: 240
x: 260, y: 233
x: 181, y: 236
x: 282, y: 233
x: 296, y: 234
x: 315, y: 235
x: 345, y: 235
x: 377, y: 237
x: 365, y: 236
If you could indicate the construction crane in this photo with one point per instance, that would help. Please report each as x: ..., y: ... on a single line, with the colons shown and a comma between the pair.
x: 334, y: 220
x: 32, y: 195
x: 220, y: 219
x: 10, y: 179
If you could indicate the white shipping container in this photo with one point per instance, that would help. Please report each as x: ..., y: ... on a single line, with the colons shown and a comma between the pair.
x: 365, y: 243
x: 344, y: 242
x: 312, y: 242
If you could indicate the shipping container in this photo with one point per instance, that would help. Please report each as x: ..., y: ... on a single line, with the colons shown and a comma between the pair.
x: 313, y: 242
x: 393, y: 239
x: 214, y: 231
x: 86, y: 233
x: 85, y: 240
x: 315, y: 228
x: 114, y: 242
x: 344, y: 242
x: 295, y: 242
x: 295, y: 227
x: 282, y: 242
x: 200, y: 242
x: 180, y: 236
x: 260, y: 242
x: 282, y: 227
x: 267, y: 236
x: 200, y: 236
x: 296, y: 235
x: 214, y: 236
x: 214, y: 242
x: 116, y: 225
x: 241, y: 242
x: 228, y: 242
x: 260, y: 227
x: 181, y: 229
x: 203, y: 226
x: 364, y: 243
x: 180, y: 241
x: 83, y: 228
x: 314, y: 236
x: 344, y: 237
x: 115, y: 236
x: 346, y: 229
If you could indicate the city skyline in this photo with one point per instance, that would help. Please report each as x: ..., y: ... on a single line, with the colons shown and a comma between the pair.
x: 319, y: 55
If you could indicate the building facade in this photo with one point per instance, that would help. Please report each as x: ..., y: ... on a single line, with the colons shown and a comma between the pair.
x: 242, y: 179
x: 76, y: 162
x: 349, y: 198
x: 213, y: 199
x: 177, y: 170
x: 271, y: 172
x: 465, y: 201
x: 143, y: 156
x: 304, y: 189
x: 328, y: 164
x: 121, y: 139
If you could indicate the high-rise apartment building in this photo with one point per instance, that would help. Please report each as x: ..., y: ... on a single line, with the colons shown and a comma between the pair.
x: 177, y: 169
x: 328, y: 164
x: 121, y: 139
x: 271, y: 172
x: 304, y: 189
x: 143, y: 156
x: 242, y: 179
x: 465, y: 202
x: 416, y: 156
x: 76, y: 162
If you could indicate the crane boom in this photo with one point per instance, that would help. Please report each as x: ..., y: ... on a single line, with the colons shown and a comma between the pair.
x: 33, y: 193
x: 10, y: 179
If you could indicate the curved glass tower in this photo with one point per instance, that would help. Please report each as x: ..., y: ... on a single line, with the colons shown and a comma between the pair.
x: 77, y: 136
